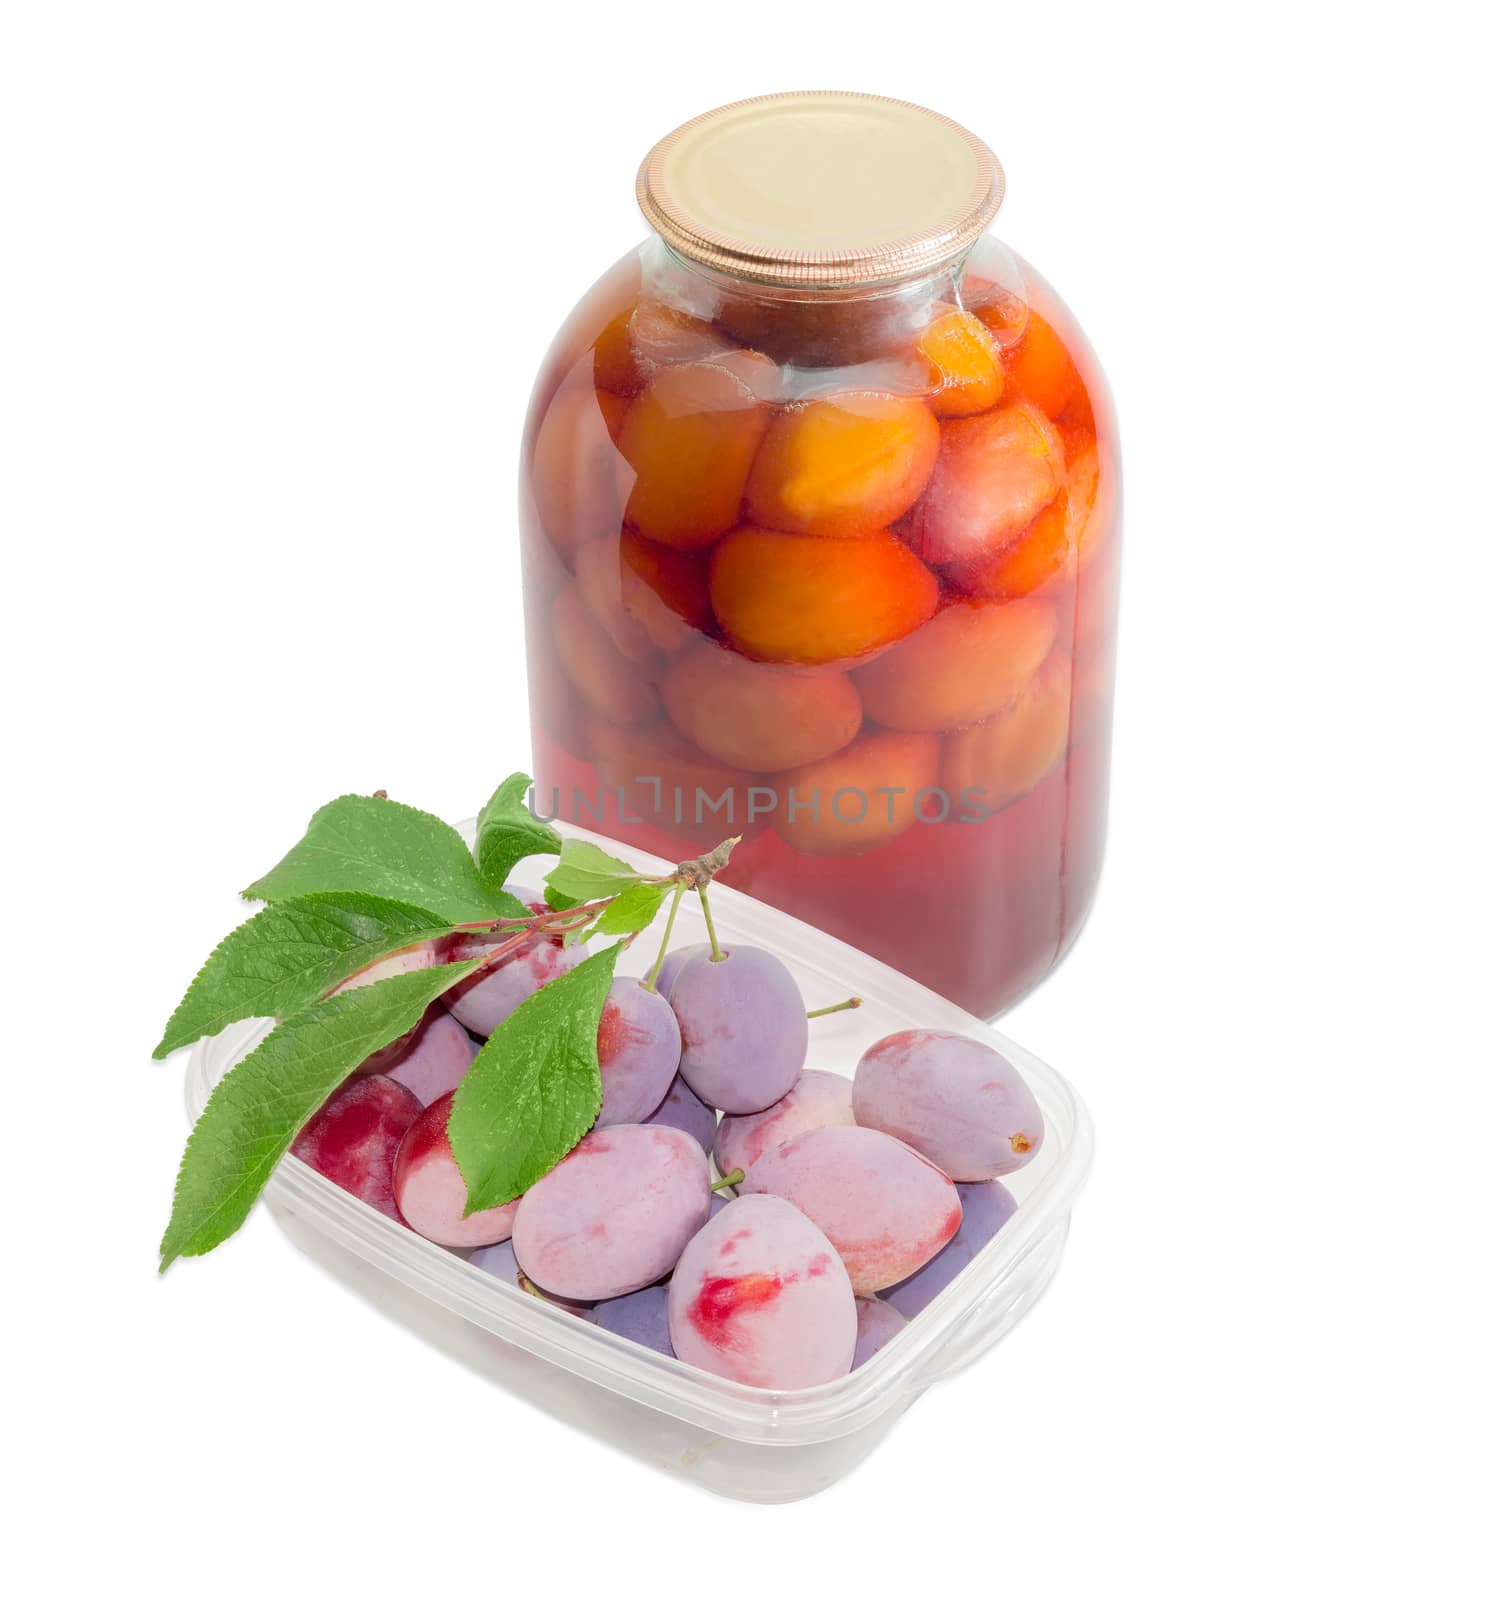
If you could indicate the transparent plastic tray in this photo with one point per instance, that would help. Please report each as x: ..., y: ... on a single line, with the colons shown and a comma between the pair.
x: 750, y: 1444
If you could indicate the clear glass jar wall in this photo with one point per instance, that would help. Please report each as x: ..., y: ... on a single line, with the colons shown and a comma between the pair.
x: 834, y: 570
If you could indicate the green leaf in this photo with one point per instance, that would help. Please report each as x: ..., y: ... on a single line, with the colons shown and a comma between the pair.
x: 633, y: 910
x: 288, y: 955
x: 256, y: 1110
x: 367, y: 845
x: 534, y: 1089
x: 588, y: 873
x: 558, y: 901
x: 508, y: 831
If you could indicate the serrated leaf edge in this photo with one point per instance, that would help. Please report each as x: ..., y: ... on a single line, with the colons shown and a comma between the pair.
x: 263, y: 1168
x: 502, y: 792
x: 251, y: 892
x: 533, y: 1001
x: 321, y: 897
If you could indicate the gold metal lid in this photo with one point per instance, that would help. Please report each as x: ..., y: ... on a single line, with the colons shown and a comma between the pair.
x: 820, y: 188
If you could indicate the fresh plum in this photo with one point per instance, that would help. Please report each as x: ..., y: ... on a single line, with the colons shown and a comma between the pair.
x: 638, y: 1049
x: 682, y: 1109
x: 744, y: 1028
x: 499, y: 1261
x: 985, y: 1207
x: 615, y: 1214
x: 760, y: 1296
x: 816, y: 1100
x: 877, y: 1324
x: 353, y: 1137
x: 431, y: 1192
x: 417, y: 958
x: 954, y: 1098
x: 886, y: 1208
x: 436, y: 1058
x: 673, y: 964
x: 640, y: 1317
x: 483, y: 1000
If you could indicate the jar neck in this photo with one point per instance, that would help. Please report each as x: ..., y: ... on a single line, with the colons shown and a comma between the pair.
x: 823, y: 330
x: 665, y: 266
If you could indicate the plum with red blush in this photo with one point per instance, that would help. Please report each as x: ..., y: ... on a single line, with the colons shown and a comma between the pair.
x: 761, y: 1296
x: 353, y: 1138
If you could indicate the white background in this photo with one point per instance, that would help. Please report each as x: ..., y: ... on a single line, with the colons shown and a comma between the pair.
x: 276, y: 278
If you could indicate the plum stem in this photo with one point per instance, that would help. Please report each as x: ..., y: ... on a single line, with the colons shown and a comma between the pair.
x: 506, y: 947
x: 728, y: 1182
x: 520, y: 930
x: 572, y: 920
x: 838, y: 1005
x: 702, y: 894
x: 530, y: 1288
x: 660, y: 955
x: 701, y: 870
x: 537, y: 922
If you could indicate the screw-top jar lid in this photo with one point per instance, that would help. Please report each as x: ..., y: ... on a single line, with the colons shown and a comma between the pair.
x: 820, y: 188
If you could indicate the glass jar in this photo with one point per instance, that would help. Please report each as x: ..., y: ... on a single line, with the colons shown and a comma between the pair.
x: 820, y: 532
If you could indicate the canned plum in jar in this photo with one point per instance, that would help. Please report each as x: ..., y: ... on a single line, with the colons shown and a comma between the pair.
x: 820, y: 531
